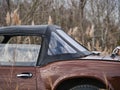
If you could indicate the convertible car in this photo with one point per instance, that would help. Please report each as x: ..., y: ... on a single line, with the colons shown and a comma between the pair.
x: 44, y: 57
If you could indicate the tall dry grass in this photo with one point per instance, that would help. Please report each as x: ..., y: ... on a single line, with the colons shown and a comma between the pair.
x: 50, y: 21
x: 91, y: 44
x: 13, y: 18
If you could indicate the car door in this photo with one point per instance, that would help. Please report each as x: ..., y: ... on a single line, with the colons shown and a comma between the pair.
x: 18, y: 59
x: 17, y: 78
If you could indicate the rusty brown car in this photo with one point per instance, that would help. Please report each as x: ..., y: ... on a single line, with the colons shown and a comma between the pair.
x: 44, y: 57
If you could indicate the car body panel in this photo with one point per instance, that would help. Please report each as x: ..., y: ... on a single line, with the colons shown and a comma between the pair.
x: 59, y: 71
x: 10, y: 81
x: 102, y: 57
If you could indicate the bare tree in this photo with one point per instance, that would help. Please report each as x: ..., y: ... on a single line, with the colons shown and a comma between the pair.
x: 104, y: 15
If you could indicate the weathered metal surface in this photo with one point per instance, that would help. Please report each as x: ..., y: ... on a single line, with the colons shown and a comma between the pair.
x: 10, y: 81
x: 108, y: 72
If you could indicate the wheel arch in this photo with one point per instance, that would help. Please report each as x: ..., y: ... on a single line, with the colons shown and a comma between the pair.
x: 79, y: 80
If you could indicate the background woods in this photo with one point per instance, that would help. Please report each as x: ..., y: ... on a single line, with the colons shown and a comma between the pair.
x: 94, y: 23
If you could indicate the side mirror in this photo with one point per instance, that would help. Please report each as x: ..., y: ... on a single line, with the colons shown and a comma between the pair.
x: 113, y: 55
x: 115, y: 52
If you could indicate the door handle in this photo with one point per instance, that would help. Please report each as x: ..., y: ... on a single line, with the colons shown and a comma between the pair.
x: 25, y: 75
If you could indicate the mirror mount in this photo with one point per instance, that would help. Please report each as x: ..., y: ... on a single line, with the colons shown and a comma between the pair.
x: 113, y: 55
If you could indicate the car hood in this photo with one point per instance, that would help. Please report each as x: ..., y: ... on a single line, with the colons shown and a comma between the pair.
x: 100, y: 57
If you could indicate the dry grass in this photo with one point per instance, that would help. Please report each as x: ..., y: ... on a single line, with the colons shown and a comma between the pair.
x: 91, y: 45
x: 50, y: 21
x: 13, y: 18
x: 90, y: 31
x: 17, y: 87
x: 8, y: 17
x: 74, y: 32
x: 50, y: 82
x: 33, y: 23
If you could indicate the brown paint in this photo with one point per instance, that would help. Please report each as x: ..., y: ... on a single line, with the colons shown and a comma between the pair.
x: 101, y: 70
x: 9, y: 80
x: 50, y: 76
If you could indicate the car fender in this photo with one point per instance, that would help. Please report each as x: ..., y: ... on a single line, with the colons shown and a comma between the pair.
x: 57, y: 72
x: 97, y: 76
